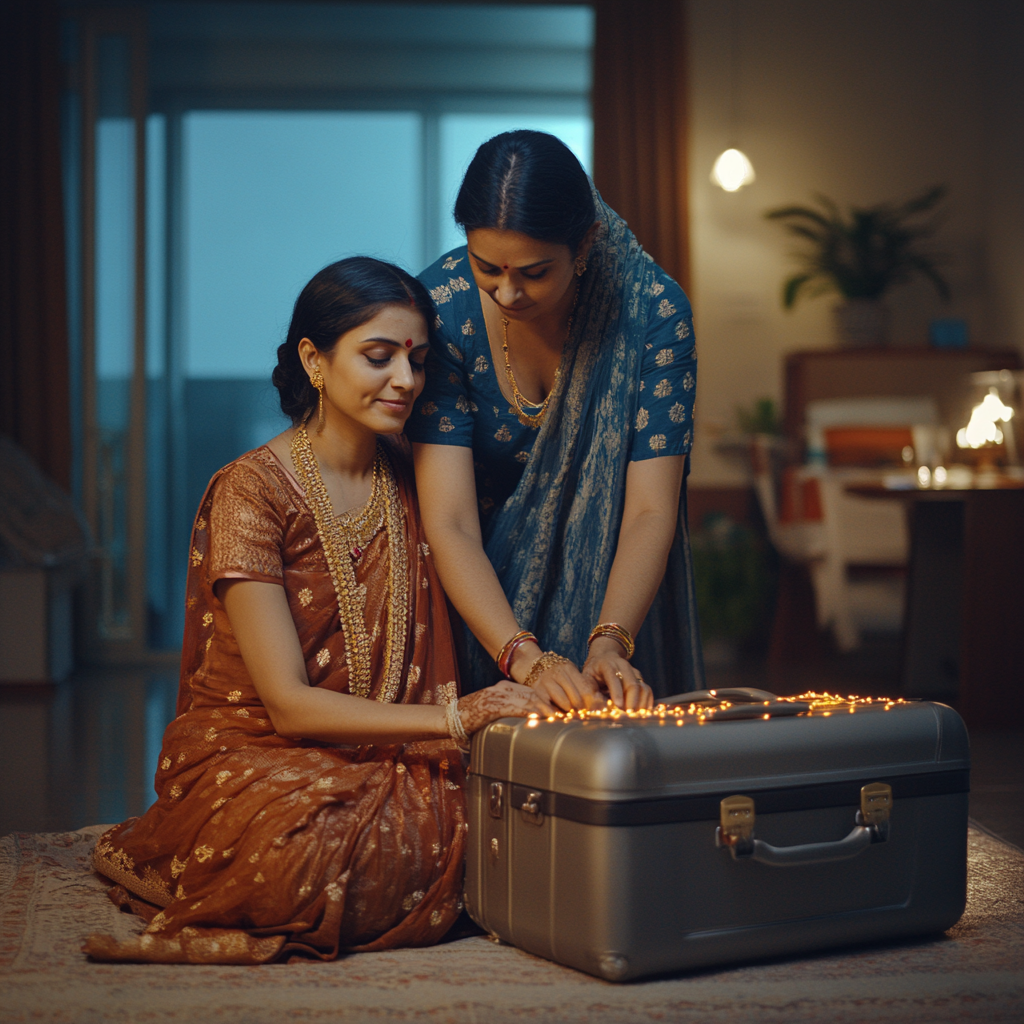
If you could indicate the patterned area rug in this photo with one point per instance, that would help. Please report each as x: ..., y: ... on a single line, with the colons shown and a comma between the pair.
x: 49, y: 899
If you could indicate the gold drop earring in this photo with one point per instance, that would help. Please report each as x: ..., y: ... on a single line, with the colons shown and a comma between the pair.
x: 581, y: 265
x: 317, y: 380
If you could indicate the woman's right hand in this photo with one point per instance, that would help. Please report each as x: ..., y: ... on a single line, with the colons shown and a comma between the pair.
x: 503, y: 700
x: 563, y: 685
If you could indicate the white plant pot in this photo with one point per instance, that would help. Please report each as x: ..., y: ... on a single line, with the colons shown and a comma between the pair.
x: 862, y: 323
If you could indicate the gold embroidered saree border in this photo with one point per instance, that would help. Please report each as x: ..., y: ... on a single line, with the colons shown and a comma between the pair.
x: 116, y: 865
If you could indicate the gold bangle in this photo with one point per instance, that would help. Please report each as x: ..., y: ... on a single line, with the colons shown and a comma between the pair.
x: 545, y: 661
x: 617, y: 632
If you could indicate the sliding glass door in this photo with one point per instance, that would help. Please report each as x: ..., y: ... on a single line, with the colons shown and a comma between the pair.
x: 229, y: 151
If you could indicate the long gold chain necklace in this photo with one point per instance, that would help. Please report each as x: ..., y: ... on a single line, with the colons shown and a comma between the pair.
x: 344, y: 539
x: 518, y: 401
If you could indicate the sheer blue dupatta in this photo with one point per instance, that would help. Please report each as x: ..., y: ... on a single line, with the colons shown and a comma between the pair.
x: 553, y: 542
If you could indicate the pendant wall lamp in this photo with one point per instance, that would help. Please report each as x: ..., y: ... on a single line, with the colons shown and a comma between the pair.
x: 732, y: 169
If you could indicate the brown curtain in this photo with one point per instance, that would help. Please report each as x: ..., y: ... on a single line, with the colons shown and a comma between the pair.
x: 641, y: 123
x: 33, y: 301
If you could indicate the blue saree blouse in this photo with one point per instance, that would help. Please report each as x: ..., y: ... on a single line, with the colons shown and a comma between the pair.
x: 551, y: 497
x: 462, y: 403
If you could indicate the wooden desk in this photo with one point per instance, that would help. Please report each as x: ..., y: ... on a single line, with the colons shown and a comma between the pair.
x: 964, y: 629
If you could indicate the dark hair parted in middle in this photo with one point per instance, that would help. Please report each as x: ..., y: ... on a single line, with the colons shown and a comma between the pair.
x: 341, y: 297
x: 529, y: 182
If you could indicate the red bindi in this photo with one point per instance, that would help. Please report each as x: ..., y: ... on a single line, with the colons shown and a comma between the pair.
x: 504, y: 266
x: 408, y: 342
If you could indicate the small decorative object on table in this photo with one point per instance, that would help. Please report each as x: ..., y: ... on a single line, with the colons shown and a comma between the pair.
x: 948, y: 332
x: 991, y: 424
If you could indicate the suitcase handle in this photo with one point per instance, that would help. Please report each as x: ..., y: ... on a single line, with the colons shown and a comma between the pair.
x: 746, y: 702
x: 737, y: 832
x: 735, y: 694
x: 860, y: 838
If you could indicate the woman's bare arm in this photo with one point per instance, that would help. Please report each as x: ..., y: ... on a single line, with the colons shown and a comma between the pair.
x: 447, y: 495
x: 263, y: 626
x: 649, y: 518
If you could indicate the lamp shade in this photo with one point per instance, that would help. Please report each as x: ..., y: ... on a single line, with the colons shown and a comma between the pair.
x: 732, y: 170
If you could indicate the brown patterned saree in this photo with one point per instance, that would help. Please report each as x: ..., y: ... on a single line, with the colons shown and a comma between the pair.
x: 261, y: 846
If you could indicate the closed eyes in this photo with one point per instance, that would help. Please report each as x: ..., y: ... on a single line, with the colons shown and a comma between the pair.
x: 417, y: 364
x: 535, y: 275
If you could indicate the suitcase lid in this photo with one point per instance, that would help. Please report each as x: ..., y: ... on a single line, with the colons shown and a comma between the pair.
x: 632, y: 758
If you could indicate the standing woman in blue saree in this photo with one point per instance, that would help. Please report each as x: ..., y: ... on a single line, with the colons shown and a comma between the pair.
x: 552, y: 438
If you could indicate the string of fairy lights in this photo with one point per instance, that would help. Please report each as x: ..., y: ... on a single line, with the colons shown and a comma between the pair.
x: 817, y: 705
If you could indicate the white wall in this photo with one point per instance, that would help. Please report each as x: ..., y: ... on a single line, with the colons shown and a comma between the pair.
x: 864, y: 101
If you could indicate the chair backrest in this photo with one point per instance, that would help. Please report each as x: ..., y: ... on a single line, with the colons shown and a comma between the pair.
x: 865, y: 431
x: 942, y: 376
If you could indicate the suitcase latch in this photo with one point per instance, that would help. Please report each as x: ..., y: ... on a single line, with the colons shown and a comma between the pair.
x: 875, y: 807
x: 737, y: 825
x: 531, y: 809
x: 497, y: 802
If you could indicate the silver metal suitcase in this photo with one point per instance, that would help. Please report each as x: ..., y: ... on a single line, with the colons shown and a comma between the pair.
x: 715, y: 832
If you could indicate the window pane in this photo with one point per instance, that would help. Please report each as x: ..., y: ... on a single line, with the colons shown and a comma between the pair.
x: 461, y: 136
x: 273, y: 197
x: 114, y: 325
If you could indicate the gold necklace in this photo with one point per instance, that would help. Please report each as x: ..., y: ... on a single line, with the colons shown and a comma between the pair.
x: 359, y: 526
x: 344, y: 538
x: 518, y: 401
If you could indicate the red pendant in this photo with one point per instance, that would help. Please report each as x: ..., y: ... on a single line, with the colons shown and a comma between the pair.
x: 356, y: 551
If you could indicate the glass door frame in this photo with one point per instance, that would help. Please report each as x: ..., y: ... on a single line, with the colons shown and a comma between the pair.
x: 105, y: 639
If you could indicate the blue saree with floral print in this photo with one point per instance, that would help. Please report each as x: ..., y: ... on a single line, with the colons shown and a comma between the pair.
x: 551, y: 498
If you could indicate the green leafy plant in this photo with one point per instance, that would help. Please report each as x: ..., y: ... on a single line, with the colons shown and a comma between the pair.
x: 864, y: 255
x: 760, y: 418
x: 731, y: 579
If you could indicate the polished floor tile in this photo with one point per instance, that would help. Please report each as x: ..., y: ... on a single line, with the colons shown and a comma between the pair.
x: 84, y: 751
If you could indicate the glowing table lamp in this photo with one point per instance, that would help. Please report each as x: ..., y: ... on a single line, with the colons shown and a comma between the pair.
x: 985, y: 429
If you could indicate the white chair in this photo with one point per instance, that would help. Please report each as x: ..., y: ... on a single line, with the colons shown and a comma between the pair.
x: 820, y: 524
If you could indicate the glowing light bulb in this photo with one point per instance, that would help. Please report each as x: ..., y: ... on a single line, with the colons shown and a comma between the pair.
x: 732, y: 171
x: 982, y: 429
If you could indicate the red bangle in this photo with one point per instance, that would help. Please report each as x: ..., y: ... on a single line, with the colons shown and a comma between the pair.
x: 505, y: 655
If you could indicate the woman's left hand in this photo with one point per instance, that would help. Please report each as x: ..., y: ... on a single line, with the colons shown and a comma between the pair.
x: 608, y: 668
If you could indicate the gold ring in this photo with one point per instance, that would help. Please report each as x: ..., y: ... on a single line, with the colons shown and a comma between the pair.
x: 621, y: 680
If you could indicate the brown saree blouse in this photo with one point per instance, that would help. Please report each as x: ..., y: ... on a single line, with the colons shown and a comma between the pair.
x: 259, y: 846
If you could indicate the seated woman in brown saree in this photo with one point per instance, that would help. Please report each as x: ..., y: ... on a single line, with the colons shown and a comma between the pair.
x: 311, y: 787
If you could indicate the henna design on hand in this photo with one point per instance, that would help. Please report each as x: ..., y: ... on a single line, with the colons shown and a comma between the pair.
x: 503, y: 700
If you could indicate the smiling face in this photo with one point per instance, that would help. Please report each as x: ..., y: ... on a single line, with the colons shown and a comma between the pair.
x: 526, y: 278
x: 374, y: 372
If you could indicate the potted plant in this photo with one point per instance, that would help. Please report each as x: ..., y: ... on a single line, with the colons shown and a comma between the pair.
x: 861, y: 257
x: 732, y: 581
